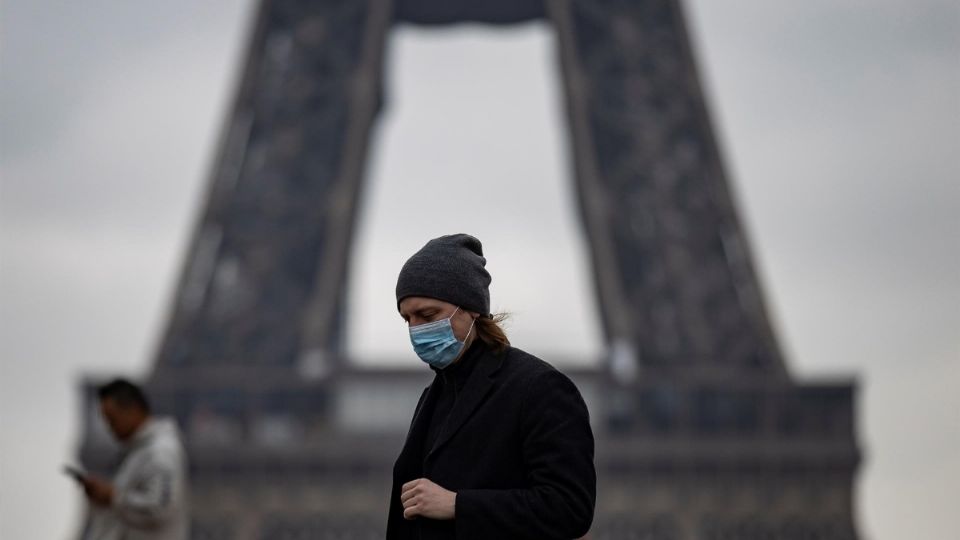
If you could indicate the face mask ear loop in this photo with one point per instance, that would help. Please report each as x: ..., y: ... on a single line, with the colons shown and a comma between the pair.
x: 469, y: 330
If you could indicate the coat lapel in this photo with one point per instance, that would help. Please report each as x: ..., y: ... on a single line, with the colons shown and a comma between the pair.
x: 425, y: 398
x: 408, y: 462
x: 478, y: 386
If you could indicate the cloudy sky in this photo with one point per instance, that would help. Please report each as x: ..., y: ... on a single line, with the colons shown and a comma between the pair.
x: 840, y: 123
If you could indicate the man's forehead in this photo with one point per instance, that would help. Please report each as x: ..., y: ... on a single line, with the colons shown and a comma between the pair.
x: 412, y: 304
x: 111, y: 404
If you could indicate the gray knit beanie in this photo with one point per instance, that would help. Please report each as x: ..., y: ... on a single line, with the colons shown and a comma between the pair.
x: 449, y: 268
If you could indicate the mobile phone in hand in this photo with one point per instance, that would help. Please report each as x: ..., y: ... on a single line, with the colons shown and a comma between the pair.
x: 75, y: 472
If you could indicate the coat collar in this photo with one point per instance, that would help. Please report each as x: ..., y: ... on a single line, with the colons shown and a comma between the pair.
x: 474, y: 391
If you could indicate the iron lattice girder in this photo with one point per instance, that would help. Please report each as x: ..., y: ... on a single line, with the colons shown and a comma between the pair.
x: 674, y: 276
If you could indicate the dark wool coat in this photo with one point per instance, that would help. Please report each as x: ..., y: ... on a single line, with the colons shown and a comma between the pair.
x: 517, y: 449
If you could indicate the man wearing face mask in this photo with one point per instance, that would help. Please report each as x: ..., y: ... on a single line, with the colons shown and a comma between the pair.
x: 500, y: 444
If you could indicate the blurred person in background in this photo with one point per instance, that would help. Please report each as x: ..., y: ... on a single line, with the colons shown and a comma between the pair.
x: 147, y: 498
x: 500, y: 444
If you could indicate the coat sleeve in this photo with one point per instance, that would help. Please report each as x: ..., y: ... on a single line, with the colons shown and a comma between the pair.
x: 149, y: 500
x: 557, y: 447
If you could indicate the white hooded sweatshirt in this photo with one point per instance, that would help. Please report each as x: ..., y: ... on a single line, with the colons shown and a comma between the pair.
x: 150, y: 489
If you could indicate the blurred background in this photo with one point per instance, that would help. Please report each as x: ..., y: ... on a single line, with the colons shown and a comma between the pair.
x: 839, y: 123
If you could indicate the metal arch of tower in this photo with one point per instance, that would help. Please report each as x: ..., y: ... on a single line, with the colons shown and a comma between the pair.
x: 265, y: 280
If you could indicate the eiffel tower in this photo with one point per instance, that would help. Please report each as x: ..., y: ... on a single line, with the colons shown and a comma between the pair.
x: 701, y: 431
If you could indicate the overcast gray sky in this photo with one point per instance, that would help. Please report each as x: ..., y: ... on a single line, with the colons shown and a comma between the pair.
x: 840, y: 122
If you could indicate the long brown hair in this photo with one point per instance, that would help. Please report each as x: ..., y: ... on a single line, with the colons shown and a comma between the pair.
x: 490, y: 331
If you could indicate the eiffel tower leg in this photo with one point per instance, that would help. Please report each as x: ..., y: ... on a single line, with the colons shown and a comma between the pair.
x: 265, y: 280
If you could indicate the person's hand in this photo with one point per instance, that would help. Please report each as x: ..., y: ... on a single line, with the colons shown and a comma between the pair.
x: 421, y: 497
x: 100, y: 492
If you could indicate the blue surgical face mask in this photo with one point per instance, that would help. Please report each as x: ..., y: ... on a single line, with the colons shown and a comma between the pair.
x: 435, y: 342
